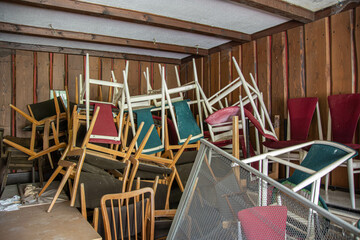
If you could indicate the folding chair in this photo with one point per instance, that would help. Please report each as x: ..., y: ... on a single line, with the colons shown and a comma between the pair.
x: 344, y: 113
x: 300, y: 114
x: 42, y: 117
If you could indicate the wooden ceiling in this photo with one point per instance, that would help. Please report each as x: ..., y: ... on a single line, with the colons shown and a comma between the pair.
x: 157, y: 30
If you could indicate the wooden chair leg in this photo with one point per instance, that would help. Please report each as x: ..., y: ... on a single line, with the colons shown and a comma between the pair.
x: 77, y: 178
x: 56, y: 172
x: 171, y: 180
x: 83, y: 201
x: 50, y: 161
x: 41, y: 175
x: 61, y: 186
x: 178, y: 180
x: 96, y: 219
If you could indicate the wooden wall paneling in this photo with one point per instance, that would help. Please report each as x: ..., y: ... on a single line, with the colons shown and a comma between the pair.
x: 214, y: 74
x: 5, y: 90
x: 248, y: 61
x: 105, y: 76
x: 225, y: 70
x: 296, y: 58
x: 171, y: 76
x: 157, y: 76
x: 58, y: 71
x: 24, y: 88
x: 133, y: 79
x: 317, y: 58
x: 43, y: 75
x: 206, y: 75
x: 119, y: 66
x: 143, y: 85
x: 341, y: 53
x: 94, y: 74
x: 235, y: 52
x: 341, y: 72
x: 279, y: 88
x: 75, y: 68
x: 263, y: 55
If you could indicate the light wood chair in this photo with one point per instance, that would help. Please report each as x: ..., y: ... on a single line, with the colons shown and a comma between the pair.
x: 135, y: 217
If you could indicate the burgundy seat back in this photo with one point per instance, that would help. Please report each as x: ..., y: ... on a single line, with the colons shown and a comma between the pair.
x: 301, y: 111
x: 344, y: 112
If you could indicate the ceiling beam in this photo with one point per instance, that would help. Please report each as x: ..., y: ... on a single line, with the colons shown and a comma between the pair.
x: 337, y: 8
x: 281, y: 8
x: 276, y: 29
x: 95, y: 38
x: 76, y: 51
x: 135, y: 17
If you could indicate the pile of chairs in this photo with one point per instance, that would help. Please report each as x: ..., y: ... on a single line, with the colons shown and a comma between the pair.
x: 128, y: 142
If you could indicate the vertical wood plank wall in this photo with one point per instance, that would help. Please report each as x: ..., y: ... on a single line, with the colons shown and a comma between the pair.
x: 315, y: 60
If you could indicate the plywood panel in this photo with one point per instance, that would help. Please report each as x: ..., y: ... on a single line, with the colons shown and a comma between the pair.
x: 58, y: 71
x: 317, y: 54
x: 143, y: 67
x: 171, y: 76
x: 235, y: 52
x: 75, y: 68
x: 5, y: 90
x: 206, y: 75
x: 225, y: 69
x: 133, y: 79
x: 263, y: 55
x: 94, y: 74
x: 119, y: 66
x: 105, y: 76
x: 279, y: 91
x: 248, y: 60
x: 296, y: 62
x: 24, y: 88
x: 43, y: 76
x: 214, y: 73
x: 341, y: 53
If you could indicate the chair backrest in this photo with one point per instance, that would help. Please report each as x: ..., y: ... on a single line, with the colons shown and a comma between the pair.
x: 42, y: 110
x: 301, y: 111
x: 118, y: 88
x: 320, y: 156
x: 344, y: 113
x: 132, y: 217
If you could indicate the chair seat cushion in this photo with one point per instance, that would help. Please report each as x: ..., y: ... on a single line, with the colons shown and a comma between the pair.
x: 353, y: 145
x: 154, y: 168
x: 104, y: 163
x: 281, y: 144
x: 187, y: 157
x: 223, y: 115
x: 96, y: 186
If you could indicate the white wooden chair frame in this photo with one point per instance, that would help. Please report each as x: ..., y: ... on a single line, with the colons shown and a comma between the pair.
x: 118, y: 93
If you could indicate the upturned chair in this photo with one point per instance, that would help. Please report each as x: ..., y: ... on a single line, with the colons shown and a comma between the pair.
x: 43, y: 116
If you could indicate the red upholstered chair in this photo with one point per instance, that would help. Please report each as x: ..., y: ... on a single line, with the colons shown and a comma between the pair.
x: 300, y: 114
x: 267, y: 222
x: 344, y: 113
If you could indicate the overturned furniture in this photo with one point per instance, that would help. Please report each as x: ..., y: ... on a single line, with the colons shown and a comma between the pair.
x: 225, y: 198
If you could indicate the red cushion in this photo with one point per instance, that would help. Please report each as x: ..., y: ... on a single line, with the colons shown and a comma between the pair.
x: 281, y: 144
x: 258, y: 126
x: 345, y: 112
x: 301, y: 111
x: 104, y: 124
x: 223, y: 115
x: 263, y: 222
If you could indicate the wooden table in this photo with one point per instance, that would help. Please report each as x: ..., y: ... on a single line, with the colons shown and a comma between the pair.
x: 63, y: 222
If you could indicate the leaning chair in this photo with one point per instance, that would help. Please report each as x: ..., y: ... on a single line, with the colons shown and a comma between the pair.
x: 344, y: 113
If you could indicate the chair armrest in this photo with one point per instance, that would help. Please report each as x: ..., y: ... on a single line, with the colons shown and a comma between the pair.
x: 165, y: 213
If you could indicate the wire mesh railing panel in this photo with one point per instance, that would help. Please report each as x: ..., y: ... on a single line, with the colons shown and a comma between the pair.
x: 227, y: 200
